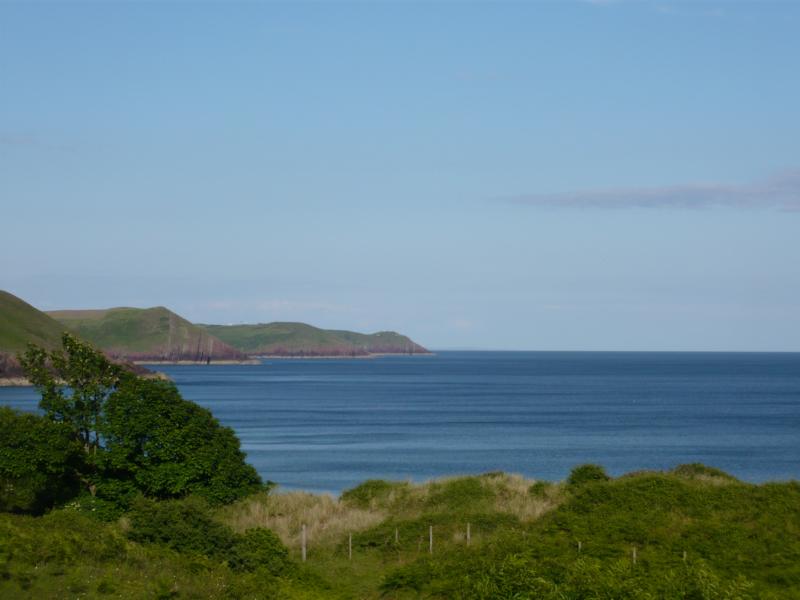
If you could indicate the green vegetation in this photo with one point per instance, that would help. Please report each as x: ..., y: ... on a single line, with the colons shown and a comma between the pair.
x: 145, y: 334
x: 21, y: 324
x: 552, y: 541
x: 138, y: 436
x: 39, y: 462
x: 587, y: 474
x: 299, y: 339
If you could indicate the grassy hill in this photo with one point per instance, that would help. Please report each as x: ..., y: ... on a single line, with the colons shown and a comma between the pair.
x: 698, y: 534
x: 21, y: 324
x: 299, y: 339
x: 146, y: 334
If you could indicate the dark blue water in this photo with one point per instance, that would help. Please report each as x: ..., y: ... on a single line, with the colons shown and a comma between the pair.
x: 327, y: 425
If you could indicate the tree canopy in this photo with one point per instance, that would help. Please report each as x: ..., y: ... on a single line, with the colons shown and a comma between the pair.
x: 137, y: 435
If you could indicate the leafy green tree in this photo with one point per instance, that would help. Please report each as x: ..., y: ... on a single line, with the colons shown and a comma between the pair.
x: 168, y: 447
x: 74, y: 382
x: 39, y: 462
x: 139, y: 435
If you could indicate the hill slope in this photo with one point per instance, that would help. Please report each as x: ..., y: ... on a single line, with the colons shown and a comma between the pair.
x: 299, y: 339
x: 146, y: 335
x: 21, y: 324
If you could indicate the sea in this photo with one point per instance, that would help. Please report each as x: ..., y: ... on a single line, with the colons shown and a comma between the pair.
x: 327, y: 425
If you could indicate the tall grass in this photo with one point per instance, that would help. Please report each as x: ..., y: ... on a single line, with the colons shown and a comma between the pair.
x: 329, y: 520
x: 326, y: 518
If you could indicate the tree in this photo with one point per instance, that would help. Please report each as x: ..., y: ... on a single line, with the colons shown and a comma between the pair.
x: 39, y: 462
x: 168, y: 447
x: 139, y: 435
x: 75, y: 383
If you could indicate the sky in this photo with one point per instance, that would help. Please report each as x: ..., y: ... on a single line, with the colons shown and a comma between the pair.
x: 602, y: 175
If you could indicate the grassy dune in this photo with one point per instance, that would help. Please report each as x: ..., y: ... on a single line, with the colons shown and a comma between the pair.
x: 741, y: 541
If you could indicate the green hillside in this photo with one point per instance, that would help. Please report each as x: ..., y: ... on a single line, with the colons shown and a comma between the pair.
x: 382, y: 342
x: 146, y: 334
x: 299, y: 339
x: 21, y: 323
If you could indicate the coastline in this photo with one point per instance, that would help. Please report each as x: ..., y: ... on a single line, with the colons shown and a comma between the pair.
x: 14, y: 382
x: 23, y: 382
x: 250, y: 361
x: 340, y: 356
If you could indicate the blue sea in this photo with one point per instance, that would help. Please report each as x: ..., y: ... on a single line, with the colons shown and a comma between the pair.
x: 326, y: 425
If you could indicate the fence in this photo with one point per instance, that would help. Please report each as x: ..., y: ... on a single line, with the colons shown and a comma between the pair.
x: 467, y: 539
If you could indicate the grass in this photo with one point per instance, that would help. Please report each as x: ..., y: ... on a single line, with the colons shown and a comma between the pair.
x: 741, y: 541
x: 296, y: 339
x: 21, y: 323
x: 145, y: 334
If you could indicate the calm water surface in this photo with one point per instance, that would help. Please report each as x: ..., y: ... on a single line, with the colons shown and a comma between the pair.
x: 327, y: 425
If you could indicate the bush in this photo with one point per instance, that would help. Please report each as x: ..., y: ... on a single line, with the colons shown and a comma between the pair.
x: 539, y: 489
x: 365, y: 493
x: 39, y: 462
x: 701, y: 471
x: 185, y: 525
x: 457, y: 494
x: 587, y: 473
x: 259, y: 549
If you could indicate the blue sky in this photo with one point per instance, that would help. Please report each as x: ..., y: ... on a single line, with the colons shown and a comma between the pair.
x: 553, y: 175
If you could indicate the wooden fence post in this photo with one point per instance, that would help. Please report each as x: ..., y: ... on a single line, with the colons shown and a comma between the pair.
x: 469, y: 534
x: 350, y: 546
x: 304, y: 542
x: 634, y: 555
x: 579, y: 546
x: 430, y: 539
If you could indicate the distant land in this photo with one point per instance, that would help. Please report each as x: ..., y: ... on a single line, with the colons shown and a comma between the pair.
x: 158, y: 335
x: 22, y: 324
x: 147, y: 335
x: 298, y: 340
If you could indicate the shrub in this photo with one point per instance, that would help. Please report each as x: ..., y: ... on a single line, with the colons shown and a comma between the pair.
x: 185, y: 525
x: 259, y: 549
x: 539, y: 489
x: 365, y: 493
x: 39, y: 462
x: 458, y: 494
x: 701, y: 471
x: 586, y: 474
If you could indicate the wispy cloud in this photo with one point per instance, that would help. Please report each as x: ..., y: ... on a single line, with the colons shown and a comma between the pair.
x: 779, y: 192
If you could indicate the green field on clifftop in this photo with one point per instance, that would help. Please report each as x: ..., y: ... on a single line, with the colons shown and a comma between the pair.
x: 145, y: 334
x: 299, y: 339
